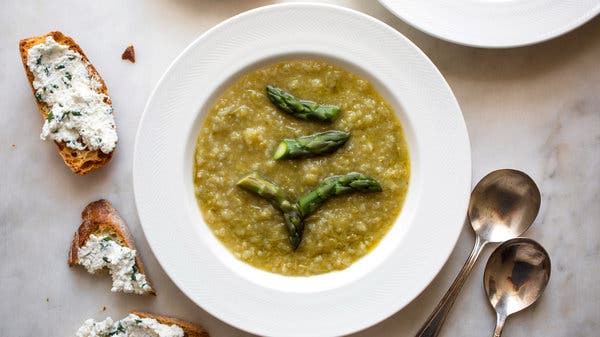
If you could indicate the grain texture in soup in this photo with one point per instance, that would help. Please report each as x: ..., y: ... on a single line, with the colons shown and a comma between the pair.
x: 239, y: 136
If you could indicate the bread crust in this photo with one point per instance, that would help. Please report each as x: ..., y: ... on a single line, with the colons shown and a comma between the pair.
x: 189, y: 329
x: 100, y: 218
x: 129, y: 54
x: 79, y: 161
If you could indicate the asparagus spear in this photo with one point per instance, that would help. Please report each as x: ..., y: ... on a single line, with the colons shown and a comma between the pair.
x: 301, y: 108
x: 295, y: 225
x: 280, y: 200
x: 336, y: 185
x: 294, y: 213
x: 311, y: 146
x: 264, y: 188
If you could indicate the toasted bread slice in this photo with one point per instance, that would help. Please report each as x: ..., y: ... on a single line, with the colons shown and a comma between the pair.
x: 189, y: 329
x: 101, y: 219
x: 79, y: 161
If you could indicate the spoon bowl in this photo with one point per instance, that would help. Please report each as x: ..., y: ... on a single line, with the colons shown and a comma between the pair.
x: 503, y: 205
x: 515, y: 276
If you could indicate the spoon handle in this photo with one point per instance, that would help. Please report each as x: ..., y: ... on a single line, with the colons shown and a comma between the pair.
x: 500, y: 319
x: 434, y: 323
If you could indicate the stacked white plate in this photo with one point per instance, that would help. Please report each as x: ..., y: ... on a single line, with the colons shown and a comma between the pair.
x: 494, y: 23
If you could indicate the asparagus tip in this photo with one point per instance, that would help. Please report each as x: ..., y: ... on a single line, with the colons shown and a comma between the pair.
x: 295, y: 241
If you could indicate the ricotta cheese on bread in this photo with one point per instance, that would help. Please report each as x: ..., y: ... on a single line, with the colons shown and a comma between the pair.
x: 98, y: 253
x: 79, y: 115
x: 130, y: 326
x: 104, y: 241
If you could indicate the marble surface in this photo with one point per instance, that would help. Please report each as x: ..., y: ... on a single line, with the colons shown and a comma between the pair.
x: 534, y: 108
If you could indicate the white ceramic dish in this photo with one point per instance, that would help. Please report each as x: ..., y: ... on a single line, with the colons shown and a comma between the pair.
x: 376, y: 286
x: 494, y: 23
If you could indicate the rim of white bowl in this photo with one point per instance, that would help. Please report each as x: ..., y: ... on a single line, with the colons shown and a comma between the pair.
x: 218, y: 262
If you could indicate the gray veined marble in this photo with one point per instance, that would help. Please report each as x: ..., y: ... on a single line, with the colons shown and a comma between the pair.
x: 536, y: 109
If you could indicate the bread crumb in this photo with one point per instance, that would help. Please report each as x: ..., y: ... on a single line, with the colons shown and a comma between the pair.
x: 103, y: 308
x: 129, y: 54
x: 14, y: 146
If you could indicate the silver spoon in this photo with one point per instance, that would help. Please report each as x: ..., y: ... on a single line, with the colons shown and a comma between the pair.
x: 515, y: 277
x: 502, y: 206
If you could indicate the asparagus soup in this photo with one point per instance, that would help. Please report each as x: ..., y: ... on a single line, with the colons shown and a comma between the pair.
x: 300, y: 168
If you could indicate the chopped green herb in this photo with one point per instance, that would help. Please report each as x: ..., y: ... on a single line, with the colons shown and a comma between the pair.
x: 106, y: 238
x: 105, y: 259
x: 135, y: 270
x: 68, y: 75
x: 138, y: 321
x: 60, y: 105
x: 71, y: 57
x: 50, y: 116
x: 38, y: 96
x: 39, y: 60
x: 120, y: 328
x: 47, y: 71
x: 60, y: 66
x: 72, y: 112
x: 55, y: 86
x: 44, y: 89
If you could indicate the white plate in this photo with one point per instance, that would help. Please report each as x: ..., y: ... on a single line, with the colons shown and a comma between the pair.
x: 494, y: 23
x: 376, y: 286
